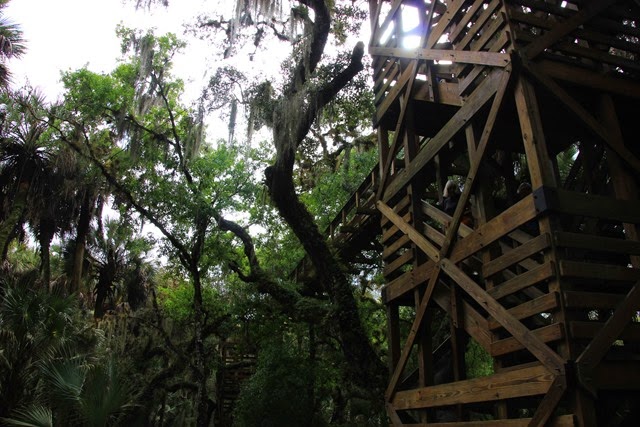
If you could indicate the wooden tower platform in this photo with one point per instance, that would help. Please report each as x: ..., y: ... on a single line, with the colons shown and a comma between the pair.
x: 493, y: 93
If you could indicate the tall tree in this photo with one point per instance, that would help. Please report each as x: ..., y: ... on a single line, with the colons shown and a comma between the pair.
x: 27, y: 159
x: 132, y: 127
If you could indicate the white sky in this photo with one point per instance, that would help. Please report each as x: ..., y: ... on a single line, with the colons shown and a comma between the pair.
x: 66, y: 35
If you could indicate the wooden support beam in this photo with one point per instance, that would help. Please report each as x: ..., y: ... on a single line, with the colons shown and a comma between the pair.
x: 545, y: 334
x: 523, y: 281
x: 558, y: 31
x: 477, y: 100
x: 596, y: 243
x: 540, y: 167
x: 427, y: 247
x: 549, y: 402
x: 516, y: 255
x: 529, y: 381
x: 598, y: 347
x: 582, y: 114
x: 543, y: 304
x: 398, y: 136
x: 494, y: 59
x: 601, y: 272
x: 416, y: 326
x: 539, y: 349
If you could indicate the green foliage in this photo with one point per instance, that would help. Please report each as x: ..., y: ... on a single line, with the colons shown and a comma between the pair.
x: 51, y: 364
x: 175, y: 297
x: 279, y: 393
x: 333, y: 188
x: 479, y: 362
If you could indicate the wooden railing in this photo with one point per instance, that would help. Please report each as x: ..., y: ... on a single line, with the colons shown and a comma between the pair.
x: 357, y: 212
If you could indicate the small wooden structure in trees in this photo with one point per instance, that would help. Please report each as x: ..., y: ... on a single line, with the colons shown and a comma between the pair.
x: 494, y: 93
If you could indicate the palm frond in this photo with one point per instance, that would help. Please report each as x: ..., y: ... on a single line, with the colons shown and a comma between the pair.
x: 33, y: 416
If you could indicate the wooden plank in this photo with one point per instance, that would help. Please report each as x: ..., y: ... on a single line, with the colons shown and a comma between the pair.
x: 609, y: 83
x: 494, y: 59
x: 438, y: 30
x: 617, y: 375
x: 434, y: 235
x: 488, y: 33
x: 596, y: 243
x: 398, y: 208
x: 520, y: 332
x: 445, y: 92
x: 416, y: 327
x: 545, y: 334
x: 591, y: 205
x: 427, y: 247
x: 443, y: 218
x: 393, y: 94
x: 559, y: 421
x: 385, y: 81
x: 472, y: 321
x: 605, y: 272
x: 496, y: 228
x: 387, y: 234
x: 581, y: 113
x: 478, y: 25
x: 549, y: 402
x: 589, y: 36
x: 589, y: 329
x: 477, y: 100
x: 399, y: 136
x: 376, y: 35
x: 614, y: 327
x: 523, y: 382
x: 398, y: 287
x: 398, y: 262
x: 471, y: 77
x: 560, y: 30
x: 572, y: 49
x: 536, y: 306
x: 462, y: 24
x: 393, y: 248
x: 591, y: 300
x: 516, y: 255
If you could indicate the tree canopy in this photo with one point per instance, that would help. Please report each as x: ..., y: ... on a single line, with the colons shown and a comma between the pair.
x: 180, y: 245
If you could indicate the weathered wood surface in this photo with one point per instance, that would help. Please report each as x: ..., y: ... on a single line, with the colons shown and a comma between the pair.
x: 517, y: 383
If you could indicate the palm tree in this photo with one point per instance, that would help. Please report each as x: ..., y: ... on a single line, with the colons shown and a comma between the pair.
x: 121, y: 273
x: 36, y: 174
x: 11, y: 44
x: 26, y: 156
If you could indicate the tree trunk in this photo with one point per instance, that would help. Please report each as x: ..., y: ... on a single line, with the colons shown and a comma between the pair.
x: 46, y: 232
x: 366, y: 369
x: 82, y: 231
x: 17, y: 208
x: 202, y: 400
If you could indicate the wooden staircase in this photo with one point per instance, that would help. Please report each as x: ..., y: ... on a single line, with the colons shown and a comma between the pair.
x: 236, y: 366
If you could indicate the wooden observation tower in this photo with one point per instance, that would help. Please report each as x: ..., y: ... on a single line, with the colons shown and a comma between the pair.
x: 494, y: 93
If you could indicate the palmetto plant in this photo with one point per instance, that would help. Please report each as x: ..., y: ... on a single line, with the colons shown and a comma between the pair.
x: 54, y: 369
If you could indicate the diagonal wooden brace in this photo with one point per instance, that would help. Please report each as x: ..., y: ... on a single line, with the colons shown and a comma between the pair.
x: 549, y: 358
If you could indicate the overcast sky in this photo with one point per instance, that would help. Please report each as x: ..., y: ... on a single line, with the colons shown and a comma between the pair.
x: 68, y: 34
